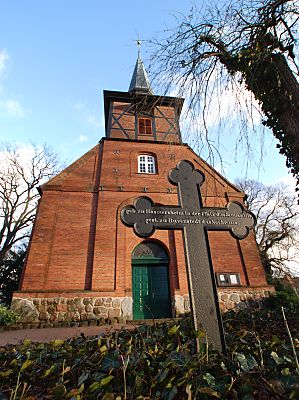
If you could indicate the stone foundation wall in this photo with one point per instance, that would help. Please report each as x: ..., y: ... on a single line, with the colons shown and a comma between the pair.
x: 63, y: 311
x: 181, y: 305
x: 239, y: 298
x: 229, y: 298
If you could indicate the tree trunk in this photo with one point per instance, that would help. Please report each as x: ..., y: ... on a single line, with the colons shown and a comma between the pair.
x: 275, y: 86
x: 288, y: 113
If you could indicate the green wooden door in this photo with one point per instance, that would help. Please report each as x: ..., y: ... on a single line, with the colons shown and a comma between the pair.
x: 160, y: 291
x: 151, y: 296
x: 141, y: 298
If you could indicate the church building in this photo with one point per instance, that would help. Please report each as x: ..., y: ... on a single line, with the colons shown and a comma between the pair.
x: 85, y: 266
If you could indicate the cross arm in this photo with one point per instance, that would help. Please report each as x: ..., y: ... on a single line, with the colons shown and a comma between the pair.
x: 233, y: 218
x: 144, y: 216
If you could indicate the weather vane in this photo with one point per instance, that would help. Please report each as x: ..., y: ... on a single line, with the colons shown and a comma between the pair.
x: 138, y: 42
x: 139, y: 45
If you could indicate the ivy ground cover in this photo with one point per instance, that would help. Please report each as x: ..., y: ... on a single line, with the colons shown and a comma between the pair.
x: 160, y: 362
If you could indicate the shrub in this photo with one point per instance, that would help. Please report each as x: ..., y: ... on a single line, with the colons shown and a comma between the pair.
x: 7, y: 317
x: 285, y: 296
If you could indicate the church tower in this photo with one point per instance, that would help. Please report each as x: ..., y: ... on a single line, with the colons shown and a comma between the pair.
x: 140, y: 115
x: 84, y: 266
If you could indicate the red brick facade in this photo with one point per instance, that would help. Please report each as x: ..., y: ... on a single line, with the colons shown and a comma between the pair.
x: 80, y: 248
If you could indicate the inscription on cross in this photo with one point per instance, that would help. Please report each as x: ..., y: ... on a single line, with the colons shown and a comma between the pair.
x: 195, y: 220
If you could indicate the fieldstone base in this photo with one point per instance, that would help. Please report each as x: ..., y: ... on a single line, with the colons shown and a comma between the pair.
x: 229, y: 298
x: 181, y: 305
x: 61, y: 311
x: 239, y: 298
x: 76, y: 311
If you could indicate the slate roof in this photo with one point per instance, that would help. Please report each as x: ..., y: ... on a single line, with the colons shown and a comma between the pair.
x: 140, y: 82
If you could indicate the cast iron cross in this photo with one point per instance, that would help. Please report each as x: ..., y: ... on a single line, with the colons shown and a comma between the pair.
x: 195, y: 220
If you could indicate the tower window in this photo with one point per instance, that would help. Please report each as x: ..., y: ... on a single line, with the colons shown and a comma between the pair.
x: 146, y: 164
x: 145, y: 126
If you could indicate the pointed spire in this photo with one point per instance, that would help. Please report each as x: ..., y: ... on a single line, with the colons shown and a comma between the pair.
x: 140, y: 82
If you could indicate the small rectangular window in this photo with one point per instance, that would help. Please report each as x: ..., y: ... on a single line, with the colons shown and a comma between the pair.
x: 228, y: 279
x: 145, y: 126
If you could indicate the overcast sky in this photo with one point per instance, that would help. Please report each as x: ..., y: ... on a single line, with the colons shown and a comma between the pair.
x: 57, y: 57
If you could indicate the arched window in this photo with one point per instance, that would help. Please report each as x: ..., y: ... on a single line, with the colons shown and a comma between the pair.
x: 149, y: 249
x: 146, y: 164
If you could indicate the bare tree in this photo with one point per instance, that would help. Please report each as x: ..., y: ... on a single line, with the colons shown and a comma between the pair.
x: 246, y: 44
x: 20, y: 174
x: 277, y: 228
x: 10, y: 273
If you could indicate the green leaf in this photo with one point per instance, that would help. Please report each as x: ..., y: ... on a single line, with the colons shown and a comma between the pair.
x: 200, y: 334
x: 247, y: 363
x: 57, y: 342
x: 81, y: 388
x: 103, y: 348
x: 223, y: 366
x: 173, y: 330
x: 278, y: 360
x: 108, y: 396
x: 83, y: 377
x: 97, y: 385
x: 109, y: 363
x: 26, y: 342
x: 210, y: 379
x: 275, y: 341
x: 209, y: 391
x: 26, y: 364
x: 178, y: 358
x: 6, y: 373
x: 162, y: 375
x: 49, y: 371
x: 138, y: 385
x: 170, y: 394
x: 285, y: 371
x: 94, y: 386
x: 59, y: 391
x: 106, y: 380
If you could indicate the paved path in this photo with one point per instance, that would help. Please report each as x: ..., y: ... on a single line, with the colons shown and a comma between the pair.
x: 48, y: 334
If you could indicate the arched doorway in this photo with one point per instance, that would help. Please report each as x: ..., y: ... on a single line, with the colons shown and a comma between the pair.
x: 150, y: 281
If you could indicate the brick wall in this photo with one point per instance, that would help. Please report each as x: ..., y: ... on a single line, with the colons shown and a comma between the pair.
x: 79, y: 242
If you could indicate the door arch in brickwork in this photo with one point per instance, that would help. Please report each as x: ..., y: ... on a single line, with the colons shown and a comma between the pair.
x: 150, y: 281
